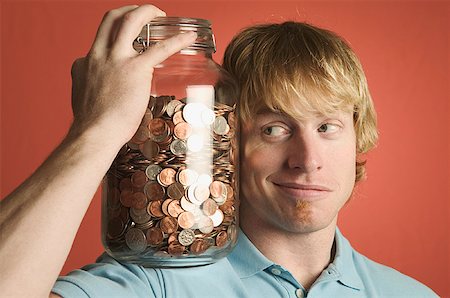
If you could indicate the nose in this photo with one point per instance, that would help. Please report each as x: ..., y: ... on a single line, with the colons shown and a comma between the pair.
x: 304, y: 153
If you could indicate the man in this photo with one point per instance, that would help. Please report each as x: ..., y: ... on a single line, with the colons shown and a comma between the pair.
x: 307, y: 114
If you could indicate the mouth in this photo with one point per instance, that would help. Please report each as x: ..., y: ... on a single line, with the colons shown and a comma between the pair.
x: 303, y: 191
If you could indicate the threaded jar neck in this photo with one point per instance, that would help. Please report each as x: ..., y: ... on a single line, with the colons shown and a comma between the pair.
x: 162, y: 28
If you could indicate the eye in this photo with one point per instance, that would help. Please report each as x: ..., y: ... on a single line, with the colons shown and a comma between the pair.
x: 275, y: 131
x: 328, y: 128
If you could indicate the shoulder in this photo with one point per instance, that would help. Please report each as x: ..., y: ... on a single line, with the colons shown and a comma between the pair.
x: 387, y: 281
x: 107, y: 277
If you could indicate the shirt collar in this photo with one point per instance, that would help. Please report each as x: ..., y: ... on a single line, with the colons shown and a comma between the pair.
x: 246, y: 259
x: 343, y: 263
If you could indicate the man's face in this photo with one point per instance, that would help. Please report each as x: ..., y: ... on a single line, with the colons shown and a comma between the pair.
x: 296, y: 175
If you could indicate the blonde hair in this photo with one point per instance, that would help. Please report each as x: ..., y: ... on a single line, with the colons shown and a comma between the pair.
x: 299, y: 69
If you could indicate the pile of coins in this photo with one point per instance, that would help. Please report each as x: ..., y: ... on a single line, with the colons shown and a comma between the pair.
x: 171, y: 189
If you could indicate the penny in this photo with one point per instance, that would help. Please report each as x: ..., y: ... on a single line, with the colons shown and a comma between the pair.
x: 174, y: 209
x: 115, y: 227
x: 138, y: 179
x: 182, y: 130
x: 169, y: 225
x: 149, y: 149
x: 135, y: 240
x: 220, y: 125
x: 201, y: 192
x: 221, y: 238
x: 126, y: 198
x: 186, y: 205
x: 217, y: 217
x: 186, y: 220
x: 175, y: 248
x: 199, y: 246
x: 155, y: 236
x: 139, y: 200
x: 154, y: 191
x: 186, y: 237
x: 187, y: 177
x: 152, y: 171
x: 216, y: 188
x: 154, y: 209
x: 205, y: 225
x: 165, y: 206
x: 141, y: 135
x: 177, y: 118
x: 178, y: 147
x: 158, y: 129
x: 172, y: 237
x: 167, y: 176
x: 146, y: 119
x: 175, y: 191
x: 209, y: 207
x: 125, y: 184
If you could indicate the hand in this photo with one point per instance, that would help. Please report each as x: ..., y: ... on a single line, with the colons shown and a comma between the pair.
x: 111, y: 85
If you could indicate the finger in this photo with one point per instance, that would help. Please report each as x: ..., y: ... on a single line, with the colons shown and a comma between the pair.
x: 131, y: 26
x: 162, y: 50
x: 108, y: 28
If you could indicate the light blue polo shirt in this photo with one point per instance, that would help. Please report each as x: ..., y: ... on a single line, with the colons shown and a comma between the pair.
x: 246, y: 272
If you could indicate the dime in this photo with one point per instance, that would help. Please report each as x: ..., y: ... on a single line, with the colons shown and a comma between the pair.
x: 135, y: 240
x: 152, y: 171
x: 178, y: 147
x: 186, y: 237
x: 170, y: 109
x: 220, y: 125
x: 155, y: 236
x: 186, y: 220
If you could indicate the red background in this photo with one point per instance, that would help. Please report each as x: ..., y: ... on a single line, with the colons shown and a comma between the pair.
x: 398, y: 217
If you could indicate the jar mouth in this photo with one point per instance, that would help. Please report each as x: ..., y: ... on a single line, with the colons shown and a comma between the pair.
x: 161, y: 28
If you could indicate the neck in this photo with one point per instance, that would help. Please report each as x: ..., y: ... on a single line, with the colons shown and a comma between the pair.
x: 305, y: 255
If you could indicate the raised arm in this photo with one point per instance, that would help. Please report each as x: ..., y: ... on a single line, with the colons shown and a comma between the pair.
x: 111, y: 88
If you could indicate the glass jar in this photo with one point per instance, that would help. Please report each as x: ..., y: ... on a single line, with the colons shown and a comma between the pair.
x: 170, y: 198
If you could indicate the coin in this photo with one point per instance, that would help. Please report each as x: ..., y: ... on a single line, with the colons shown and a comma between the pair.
x: 187, y: 177
x: 175, y: 191
x: 177, y: 118
x: 115, y: 227
x: 221, y: 238
x: 201, y: 192
x: 135, y: 240
x: 125, y: 184
x: 205, y: 225
x: 169, y: 225
x: 139, y: 216
x: 158, y: 129
x: 155, y: 236
x: 152, y: 171
x: 175, y: 248
x: 167, y: 176
x: 209, y: 207
x: 141, y: 135
x: 182, y: 130
x: 165, y: 206
x: 149, y: 149
x: 186, y: 205
x: 217, y: 217
x: 186, y: 237
x: 154, y: 209
x: 174, y: 209
x: 154, y: 191
x: 126, y: 198
x: 139, y: 200
x: 170, y: 109
x: 199, y: 246
x: 186, y: 220
x: 138, y: 179
x: 178, y: 147
x: 220, y: 125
